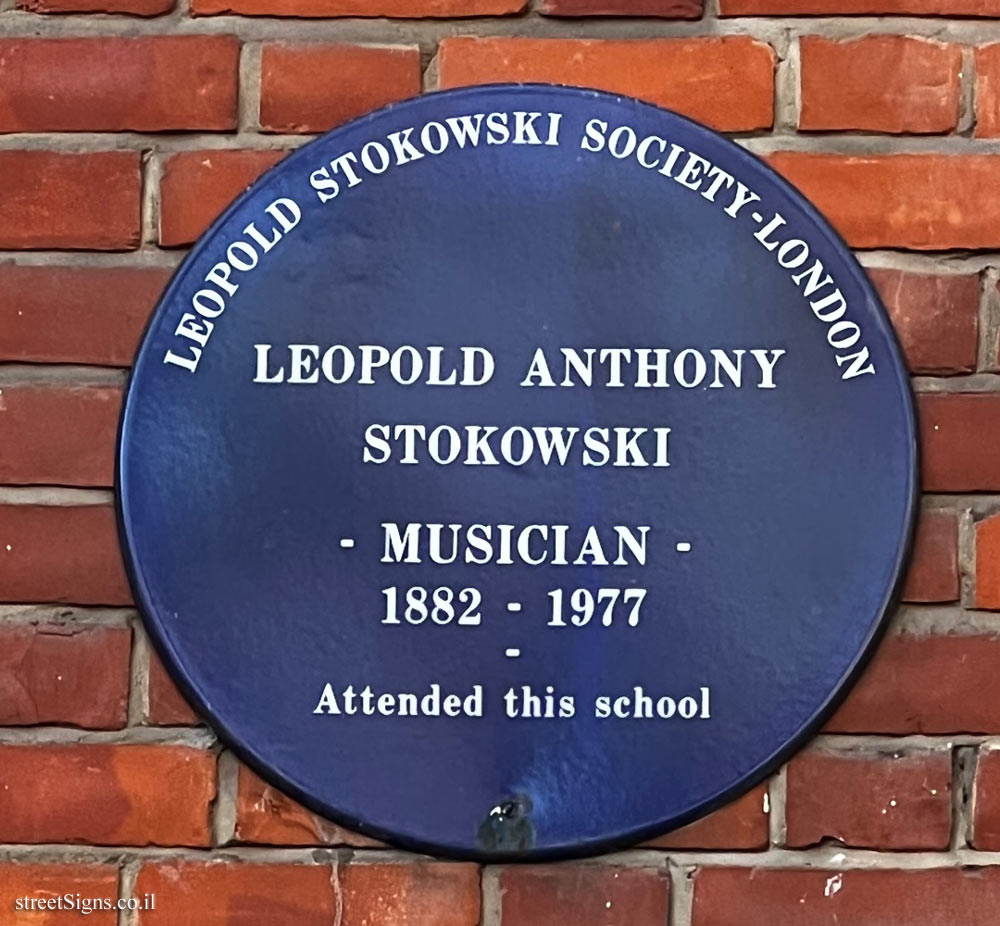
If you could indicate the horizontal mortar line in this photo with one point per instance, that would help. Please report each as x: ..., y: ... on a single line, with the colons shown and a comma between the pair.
x: 54, y: 496
x: 957, y: 622
x: 823, y: 858
x: 140, y: 259
x: 760, y: 142
x: 428, y: 31
x: 961, y: 382
x: 953, y: 262
x: 198, y: 737
x: 60, y: 374
x: 979, y: 502
x: 69, y: 615
x: 882, y: 744
x: 295, y: 855
x: 156, y: 143
x: 852, y: 144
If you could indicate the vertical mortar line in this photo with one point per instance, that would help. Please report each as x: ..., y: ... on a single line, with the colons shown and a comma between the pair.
x: 967, y: 558
x: 491, y: 897
x: 681, y: 893
x: 127, y: 876
x: 989, y: 321
x: 710, y: 12
x: 787, y: 88
x: 248, y: 119
x: 429, y: 78
x: 776, y: 792
x: 152, y: 170
x: 967, y: 93
x: 224, y: 806
x: 138, y: 689
x: 963, y: 774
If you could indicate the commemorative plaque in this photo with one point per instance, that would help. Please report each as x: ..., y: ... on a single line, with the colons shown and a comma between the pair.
x: 517, y: 472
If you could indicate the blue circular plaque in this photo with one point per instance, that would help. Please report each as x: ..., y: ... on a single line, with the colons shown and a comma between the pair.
x: 517, y: 472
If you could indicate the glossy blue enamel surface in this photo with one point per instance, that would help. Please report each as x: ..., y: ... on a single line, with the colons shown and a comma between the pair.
x: 797, y: 501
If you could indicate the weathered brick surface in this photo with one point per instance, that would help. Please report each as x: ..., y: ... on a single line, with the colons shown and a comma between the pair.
x: 879, y: 83
x: 890, y: 802
x: 583, y: 895
x: 416, y: 894
x: 727, y: 83
x: 265, y: 816
x: 57, y: 200
x: 167, y: 706
x: 46, y: 883
x: 742, y: 824
x: 988, y: 563
x: 64, y: 674
x: 933, y: 571
x: 900, y: 694
x: 767, y: 897
x: 223, y: 893
x: 936, y: 317
x: 667, y: 9
x: 919, y: 201
x: 312, y: 88
x: 986, y: 802
x: 67, y: 314
x: 198, y: 185
x: 67, y: 554
x: 859, y: 7
x: 959, y: 452
x: 403, y: 9
x: 150, y: 84
x: 58, y: 435
x: 106, y: 795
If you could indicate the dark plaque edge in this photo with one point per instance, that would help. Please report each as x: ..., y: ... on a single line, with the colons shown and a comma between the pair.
x: 633, y: 838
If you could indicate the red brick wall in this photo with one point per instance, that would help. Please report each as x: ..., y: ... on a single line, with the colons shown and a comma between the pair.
x: 128, y: 124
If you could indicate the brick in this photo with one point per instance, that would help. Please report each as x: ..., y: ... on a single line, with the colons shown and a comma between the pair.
x: 106, y: 795
x: 879, y: 83
x: 47, y: 883
x: 988, y: 563
x: 220, y: 893
x: 958, y: 449
x: 887, y: 802
x: 312, y: 88
x: 987, y: 58
x: 936, y: 317
x: 986, y: 802
x: 933, y: 570
x: 198, y: 185
x: 61, y: 553
x: 584, y: 895
x: 58, y: 435
x: 55, y: 200
x: 727, y: 83
x: 665, y: 9
x: 91, y: 315
x: 396, y: 9
x: 414, y: 894
x: 901, y: 692
x: 859, y: 7
x: 742, y: 824
x: 265, y: 816
x: 150, y: 84
x: 886, y: 897
x: 918, y: 201
x: 64, y: 674
x: 131, y: 7
x: 167, y: 707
